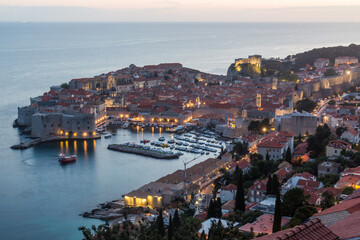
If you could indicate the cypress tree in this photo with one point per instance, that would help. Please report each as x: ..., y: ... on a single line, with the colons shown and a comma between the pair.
x: 170, y: 229
x: 211, y: 210
x: 288, y: 155
x: 277, y: 214
x: 267, y: 157
x: 236, y: 172
x: 176, y: 220
x: 240, y: 199
x: 269, y: 186
x: 275, y: 185
x: 160, y: 224
x: 218, y: 208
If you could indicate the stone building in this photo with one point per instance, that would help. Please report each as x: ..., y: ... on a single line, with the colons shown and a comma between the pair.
x: 298, y: 123
x: 24, y: 115
x: 254, y: 60
x: 325, y: 168
x: 73, y: 125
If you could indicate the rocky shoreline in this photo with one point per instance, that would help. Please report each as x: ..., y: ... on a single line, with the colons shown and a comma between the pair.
x: 113, y: 210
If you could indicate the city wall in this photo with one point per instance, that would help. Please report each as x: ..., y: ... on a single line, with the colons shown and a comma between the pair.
x: 332, y: 85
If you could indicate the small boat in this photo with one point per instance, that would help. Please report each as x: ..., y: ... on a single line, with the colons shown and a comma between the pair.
x: 144, y: 141
x: 161, y: 139
x: 114, y: 133
x: 125, y: 125
x: 107, y: 136
x: 66, y: 159
x: 171, y: 141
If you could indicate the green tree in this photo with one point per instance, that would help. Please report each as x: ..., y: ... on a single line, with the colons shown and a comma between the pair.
x: 330, y: 72
x: 218, y: 208
x: 348, y: 190
x: 160, y: 224
x: 65, y: 85
x: 318, y: 142
x: 288, y: 155
x: 328, y: 200
x: 301, y: 214
x: 275, y: 184
x: 176, y: 220
x: 305, y: 105
x: 288, y: 76
x: 267, y: 157
x: 292, y: 200
x: 269, y: 186
x: 241, y: 148
x: 340, y: 131
x: 240, y: 198
x: 330, y: 179
x: 170, y: 229
x: 277, y: 214
x: 211, y: 209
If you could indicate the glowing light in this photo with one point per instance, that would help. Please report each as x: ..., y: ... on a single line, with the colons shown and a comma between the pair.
x: 94, y: 133
x: 85, y: 134
x: 66, y: 134
x: 75, y: 134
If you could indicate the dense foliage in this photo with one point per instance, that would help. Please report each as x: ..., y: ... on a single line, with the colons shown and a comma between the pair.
x: 292, y: 200
x: 330, y: 72
x: 259, y: 126
x: 318, y: 142
x: 331, y: 53
x: 305, y: 105
x: 288, y: 76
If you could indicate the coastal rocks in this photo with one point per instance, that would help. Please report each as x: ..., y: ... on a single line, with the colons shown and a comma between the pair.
x: 106, y: 211
x: 113, y: 210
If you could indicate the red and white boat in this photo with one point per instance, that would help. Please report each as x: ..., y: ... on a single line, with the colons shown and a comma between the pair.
x: 66, y: 159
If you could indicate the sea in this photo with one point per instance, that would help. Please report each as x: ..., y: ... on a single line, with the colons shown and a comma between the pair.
x: 40, y: 199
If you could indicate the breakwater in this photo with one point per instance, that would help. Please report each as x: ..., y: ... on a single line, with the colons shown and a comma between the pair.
x: 142, y: 151
x: 38, y: 141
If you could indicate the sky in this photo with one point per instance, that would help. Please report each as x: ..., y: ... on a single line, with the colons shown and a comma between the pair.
x: 181, y: 10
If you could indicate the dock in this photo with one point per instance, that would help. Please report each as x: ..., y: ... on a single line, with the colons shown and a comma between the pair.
x: 142, y: 151
x: 46, y: 139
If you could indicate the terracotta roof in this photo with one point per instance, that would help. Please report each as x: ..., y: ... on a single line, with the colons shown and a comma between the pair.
x: 339, y: 144
x: 313, y: 230
x: 230, y: 187
x: 260, y: 185
x: 276, y: 139
x: 310, y: 183
x: 229, y: 205
x: 263, y: 224
x: 351, y: 205
x: 301, y: 149
x: 348, y: 227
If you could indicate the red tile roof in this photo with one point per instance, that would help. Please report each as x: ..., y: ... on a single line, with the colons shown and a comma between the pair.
x: 230, y: 187
x: 348, y: 227
x: 351, y: 205
x: 339, y: 144
x: 301, y: 149
x: 313, y: 230
x: 263, y: 224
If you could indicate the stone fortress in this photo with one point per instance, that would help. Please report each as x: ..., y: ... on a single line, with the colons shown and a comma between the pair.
x: 253, y: 60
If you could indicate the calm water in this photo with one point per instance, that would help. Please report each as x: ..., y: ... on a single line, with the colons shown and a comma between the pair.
x: 39, y: 199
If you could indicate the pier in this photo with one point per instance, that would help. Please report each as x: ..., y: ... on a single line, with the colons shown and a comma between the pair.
x: 142, y: 151
x: 38, y: 141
